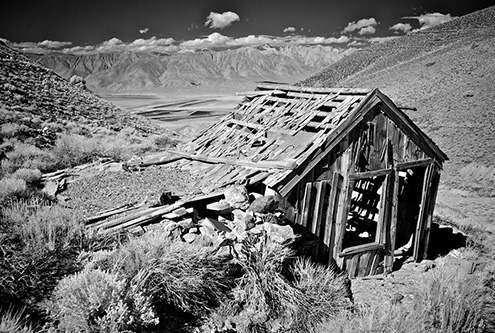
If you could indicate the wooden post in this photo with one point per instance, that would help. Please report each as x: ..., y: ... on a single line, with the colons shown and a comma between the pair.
x: 344, y: 206
x: 431, y: 207
x: 421, y: 221
x: 329, y: 236
x: 393, y: 220
x: 306, y: 204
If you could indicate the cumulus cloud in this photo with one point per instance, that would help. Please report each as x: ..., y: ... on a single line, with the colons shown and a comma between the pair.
x: 51, y: 44
x: 401, y: 27
x: 112, y: 42
x: 143, y: 31
x: 290, y: 29
x: 363, y: 26
x: 215, y: 39
x: 429, y: 20
x: 367, y: 30
x: 221, y: 21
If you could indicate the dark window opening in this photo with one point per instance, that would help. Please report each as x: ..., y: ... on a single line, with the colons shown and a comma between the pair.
x: 364, y: 213
x: 409, y: 202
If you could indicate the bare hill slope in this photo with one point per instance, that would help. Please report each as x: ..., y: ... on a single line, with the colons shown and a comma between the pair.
x: 448, y: 74
x: 32, y: 95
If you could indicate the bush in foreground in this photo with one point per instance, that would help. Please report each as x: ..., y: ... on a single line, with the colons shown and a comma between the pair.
x: 447, y: 302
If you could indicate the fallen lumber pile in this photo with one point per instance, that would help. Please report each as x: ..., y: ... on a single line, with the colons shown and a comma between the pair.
x: 224, y: 218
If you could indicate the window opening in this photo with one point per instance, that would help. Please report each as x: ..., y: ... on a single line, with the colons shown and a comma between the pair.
x: 364, y: 213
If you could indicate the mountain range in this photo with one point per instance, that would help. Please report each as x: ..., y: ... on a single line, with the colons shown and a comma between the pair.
x: 120, y: 71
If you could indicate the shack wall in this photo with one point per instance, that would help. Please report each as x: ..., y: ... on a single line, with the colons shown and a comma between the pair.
x: 322, y: 197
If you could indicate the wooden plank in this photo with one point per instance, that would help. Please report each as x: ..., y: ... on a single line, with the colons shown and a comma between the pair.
x: 375, y: 261
x: 370, y: 174
x: 329, y: 235
x: 319, y: 219
x: 360, y: 248
x: 344, y: 206
x: 393, y: 220
x: 306, y: 204
x: 354, y: 264
x: 414, y: 164
x: 364, y: 264
x: 420, y: 221
x: 261, y: 164
x: 431, y: 207
x: 270, y: 86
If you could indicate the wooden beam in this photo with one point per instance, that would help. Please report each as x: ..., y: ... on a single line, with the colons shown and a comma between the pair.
x: 329, y: 235
x: 360, y: 248
x: 420, y: 222
x: 308, y: 191
x: 370, y: 174
x: 260, y: 164
x: 313, y: 90
x: 431, y: 207
x: 414, y: 164
x: 393, y: 217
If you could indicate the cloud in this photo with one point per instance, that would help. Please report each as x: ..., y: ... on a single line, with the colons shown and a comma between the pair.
x: 54, y: 44
x: 362, y: 25
x: 215, y: 39
x: 404, y: 27
x: 429, y: 20
x: 143, y: 31
x: 367, y: 31
x: 290, y: 29
x: 112, y: 42
x: 221, y: 21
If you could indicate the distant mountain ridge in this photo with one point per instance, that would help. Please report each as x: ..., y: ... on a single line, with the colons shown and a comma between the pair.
x: 447, y: 72
x: 132, y: 70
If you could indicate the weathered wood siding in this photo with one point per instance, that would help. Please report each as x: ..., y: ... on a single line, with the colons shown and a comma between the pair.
x: 383, y: 145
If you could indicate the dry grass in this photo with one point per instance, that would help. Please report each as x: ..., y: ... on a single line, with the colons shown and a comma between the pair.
x: 12, y: 321
x: 446, y: 302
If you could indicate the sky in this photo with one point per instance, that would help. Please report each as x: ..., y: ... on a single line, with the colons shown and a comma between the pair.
x: 89, y: 26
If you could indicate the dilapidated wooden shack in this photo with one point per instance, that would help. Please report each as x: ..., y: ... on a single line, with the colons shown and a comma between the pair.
x: 348, y: 166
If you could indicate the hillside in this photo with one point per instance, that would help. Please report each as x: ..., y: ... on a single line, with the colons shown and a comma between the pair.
x: 447, y: 72
x: 132, y: 70
x: 34, y: 96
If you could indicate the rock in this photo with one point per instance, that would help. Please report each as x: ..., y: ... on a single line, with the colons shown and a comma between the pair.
x: 237, y: 196
x: 215, y: 225
x: 278, y: 233
x: 219, y: 207
x: 263, y: 205
x: 189, y: 238
x: 207, y: 231
x: 173, y: 230
x: 244, y: 220
x: 186, y: 224
x: 50, y: 189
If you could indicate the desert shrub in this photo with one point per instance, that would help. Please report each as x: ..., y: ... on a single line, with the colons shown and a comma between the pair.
x: 12, y: 321
x: 165, y: 140
x: 11, y: 188
x: 39, y: 245
x: 8, y: 130
x: 276, y: 293
x: 97, y: 301
x: 32, y: 177
x: 73, y: 149
x: 446, y: 302
x: 324, y: 290
x: 27, y: 156
x: 177, y: 275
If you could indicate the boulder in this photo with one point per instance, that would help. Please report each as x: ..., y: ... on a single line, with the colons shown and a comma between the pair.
x: 173, y: 230
x: 278, y: 233
x: 237, y: 197
x: 189, y: 238
x: 244, y: 220
x: 264, y: 204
